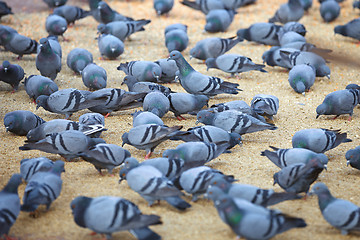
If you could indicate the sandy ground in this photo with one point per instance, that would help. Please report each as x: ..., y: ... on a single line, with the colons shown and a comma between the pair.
x: 201, y: 221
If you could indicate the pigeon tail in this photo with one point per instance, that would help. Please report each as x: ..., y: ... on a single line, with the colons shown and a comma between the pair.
x: 145, y: 233
x: 276, y: 198
x: 177, y: 202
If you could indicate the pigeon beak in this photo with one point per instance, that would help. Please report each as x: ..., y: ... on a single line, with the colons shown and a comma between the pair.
x: 63, y: 28
x: 317, y: 116
x: 37, y: 107
x: 191, y: 57
x: 122, y: 144
x: 328, y: 76
x: 207, y: 69
x: 7, y: 129
x: 347, y: 162
x: 325, y: 167
x: 303, y: 94
x: 168, y: 59
x: 158, y: 13
x: 112, y: 49
x: 122, y: 83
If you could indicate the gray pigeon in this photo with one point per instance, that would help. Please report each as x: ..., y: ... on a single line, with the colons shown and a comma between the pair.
x: 141, y: 118
x: 273, y: 57
x: 340, y: 213
x: 55, y: 3
x: 219, y: 20
x: 264, y: 33
x: 60, y: 125
x: 209, y: 134
x: 349, y: 29
x: 157, y: 103
x: 329, y: 10
x: 319, y: 140
x: 339, y: 102
x: 291, y: 11
x: 94, y: 77
x: 141, y: 179
x: 48, y: 62
x: 71, y: 13
x: 148, y: 136
x: 163, y: 6
x: 70, y: 100
x: 233, y: 63
x: 253, y: 194
x: 144, y: 71
x: 144, y: 87
x: 56, y: 25
x: 106, y: 14
x: 204, y: 6
x: 36, y: 85
x: 118, y: 99
x: 121, y: 29
x: 43, y: 188
x: 266, y: 105
x: 20, y: 122
x: 69, y: 144
x: 295, y: 27
x: 286, y: 157
x: 233, y: 121
x: 353, y: 157
x: 297, y: 178
x: 78, y: 59
x: 11, y: 74
x: 106, y: 215
x: 110, y: 47
x: 105, y: 156
x: 197, y: 83
x: 301, y: 78
x: 213, y: 47
x: 168, y: 70
x: 176, y: 39
x: 186, y: 103
x: 30, y: 166
x: 9, y: 205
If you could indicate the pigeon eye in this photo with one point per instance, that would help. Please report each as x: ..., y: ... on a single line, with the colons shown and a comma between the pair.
x: 72, y: 206
x: 215, y: 183
x: 123, y: 174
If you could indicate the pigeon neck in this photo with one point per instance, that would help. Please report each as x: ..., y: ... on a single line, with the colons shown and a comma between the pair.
x: 79, y: 212
x: 184, y: 67
x: 11, y: 187
x: 325, y: 198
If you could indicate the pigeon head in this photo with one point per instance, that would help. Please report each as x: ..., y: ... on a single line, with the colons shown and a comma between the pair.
x: 353, y: 156
x: 175, y: 55
x: 122, y: 174
x: 44, y: 44
x: 102, y: 29
x: 356, y: 4
x: 300, y: 86
x: 58, y: 167
x: 352, y: 86
x: 172, y: 154
x: 340, y: 29
x: 210, y: 63
x: 78, y: 207
x: 321, y: 190
x: 102, y: 5
x: 205, y: 116
x: 269, y: 57
x: 221, y: 183
x: 213, y: 26
x: 131, y: 163
x: 235, y: 139
x: 48, y: 88
x: 13, y: 184
x: 321, y: 109
x: 323, y: 70
x: 6, y: 65
x: 197, y: 52
x: 244, y: 34
x: 129, y: 81
x: 125, y: 139
x: 213, y: 193
x: 296, y: 27
x: 41, y: 101
x: 11, y: 122
x: 201, y: 100
x: 323, y: 159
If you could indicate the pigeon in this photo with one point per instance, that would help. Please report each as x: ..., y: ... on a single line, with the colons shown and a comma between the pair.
x: 55, y: 3
x: 11, y: 74
x: 196, y: 181
x: 4, y: 9
x: 94, y: 77
x: 17, y: 43
x: 90, y: 119
x: 110, y: 47
x: 273, y: 57
x: 36, y: 85
x: 295, y: 27
x: 292, y: 11
x: 105, y: 156
x: 144, y: 87
x: 338, y: 103
x: 168, y: 70
x: 233, y: 121
x: 218, y: 20
x: 163, y: 6
x: 255, y: 195
x: 69, y: 144
x: 204, y: 6
x: 30, y: 166
x: 253, y: 222
x: 148, y: 136
x: 264, y: 33
x: 297, y: 178
x: 197, y: 83
x: 43, y: 188
x: 60, y: 125
x: 143, y: 71
x: 266, y: 105
x: 329, y: 10
x: 213, y: 47
x: 286, y: 157
x: 118, y: 99
x: 152, y: 185
x: 319, y: 140
x: 70, y: 100
x: 71, y: 13
x: 121, y: 29
x: 233, y: 63
x: 108, y: 214
x: 183, y: 103
x: 55, y: 25
x: 353, y: 157
x: 78, y: 59
x: 157, y: 103
x: 176, y: 39
x: 48, y: 62
x: 106, y: 14
x: 195, y: 154
x: 209, y: 134
x: 349, y: 29
x: 141, y: 118
x: 301, y: 78
x: 9, y: 204
x: 339, y: 213
x: 20, y: 122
